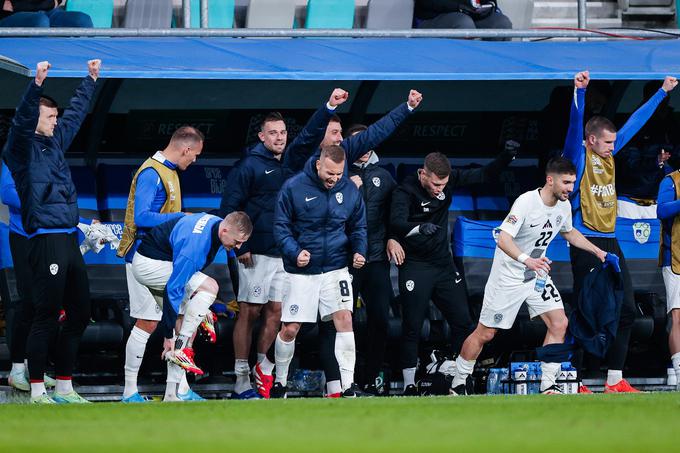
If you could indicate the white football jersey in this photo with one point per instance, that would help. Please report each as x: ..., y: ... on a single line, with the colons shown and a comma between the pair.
x: 533, y: 225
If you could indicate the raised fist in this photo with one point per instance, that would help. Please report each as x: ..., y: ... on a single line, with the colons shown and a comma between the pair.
x: 93, y: 67
x: 414, y: 99
x: 338, y: 96
x: 41, y: 72
x: 581, y: 79
x: 669, y: 83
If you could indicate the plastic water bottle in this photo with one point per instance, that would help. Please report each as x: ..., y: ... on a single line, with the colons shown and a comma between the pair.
x: 534, y: 378
x: 503, y: 387
x: 541, y: 278
x: 493, y: 382
x: 519, y: 372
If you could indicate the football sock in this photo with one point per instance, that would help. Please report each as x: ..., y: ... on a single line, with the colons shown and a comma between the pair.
x: 266, y: 365
x: 183, y: 387
x: 333, y: 387
x: 64, y: 385
x: 134, y: 353
x: 345, y: 354
x: 37, y: 388
x: 409, y: 376
x: 196, y: 309
x: 464, y: 368
x: 675, y: 359
x: 549, y: 372
x: 18, y: 368
x: 614, y: 377
x: 283, y: 354
x: 242, y: 371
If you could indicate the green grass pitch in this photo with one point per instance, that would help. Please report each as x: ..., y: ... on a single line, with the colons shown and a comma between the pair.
x: 578, y: 423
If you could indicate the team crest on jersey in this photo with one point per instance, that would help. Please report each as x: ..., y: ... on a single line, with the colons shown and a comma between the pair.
x: 495, y: 233
x: 376, y: 181
x: 54, y: 268
x: 641, y: 231
x: 511, y: 219
x: 410, y: 284
x: 497, y: 318
x: 440, y: 196
x: 558, y: 220
x: 547, y: 225
x: 339, y: 197
x: 257, y: 290
x: 294, y: 309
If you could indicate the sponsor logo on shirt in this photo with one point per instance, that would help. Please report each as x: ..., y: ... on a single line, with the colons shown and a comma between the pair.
x: 602, y: 191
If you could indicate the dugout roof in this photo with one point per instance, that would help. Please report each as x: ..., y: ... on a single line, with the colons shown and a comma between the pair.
x: 342, y: 59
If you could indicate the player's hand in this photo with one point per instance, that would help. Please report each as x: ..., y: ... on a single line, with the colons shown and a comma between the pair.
x: 8, y: 6
x: 93, y: 67
x: 395, y: 252
x: 428, y: 229
x: 611, y: 259
x: 168, y: 345
x: 356, y: 179
x: 41, y: 70
x: 358, y: 261
x: 669, y: 83
x: 338, y: 97
x: 538, y: 264
x: 246, y: 259
x: 303, y: 258
x: 581, y: 79
x: 414, y: 99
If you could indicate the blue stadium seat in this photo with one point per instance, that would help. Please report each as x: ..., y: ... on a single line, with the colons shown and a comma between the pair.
x: 491, y: 207
x: 202, y: 187
x: 101, y: 11
x: 330, y: 14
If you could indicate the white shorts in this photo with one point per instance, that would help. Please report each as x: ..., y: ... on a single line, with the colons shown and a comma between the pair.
x: 672, y: 283
x: 502, y: 301
x: 154, y: 275
x: 322, y: 293
x: 263, y: 282
x: 143, y: 304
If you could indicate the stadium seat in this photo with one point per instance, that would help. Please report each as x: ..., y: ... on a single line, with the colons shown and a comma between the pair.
x: 330, y: 14
x: 202, y: 187
x: 220, y: 14
x: 148, y: 14
x: 270, y: 14
x: 389, y: 14
x: 101, y: 11
x: 491, y: 207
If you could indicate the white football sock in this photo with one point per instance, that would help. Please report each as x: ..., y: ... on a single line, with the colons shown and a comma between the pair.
x: 266, y: 365
x: 464, y: 368
x: 283, y: 354
x: 242, y: 370
x: 134, y: 353
x: 18, y: 368
x: 549, y: 373
x: 196, y: 309
x: 675, y: 359
x: 64, y: 386
x: 346, y: 355
x: 37, y: 389
x: 183, y: 387
x: 409, y: 376
x: 614, y: 377
x: 173, y: 380
x: 333, y: 387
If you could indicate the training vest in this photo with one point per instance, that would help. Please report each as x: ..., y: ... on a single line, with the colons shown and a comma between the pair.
x: 173, y: 202
x: 675, y: 231
x: 598, y: 194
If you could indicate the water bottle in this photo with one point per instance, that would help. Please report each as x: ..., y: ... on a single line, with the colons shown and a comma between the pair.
x: 493, y: 382
x: 504, y: 388
x: 519, y: 375
x: 541, y: 278
x: 534, y: 378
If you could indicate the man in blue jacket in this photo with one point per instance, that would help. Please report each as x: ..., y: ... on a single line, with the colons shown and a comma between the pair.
x: 169, y: 262
x: 34, y: 153
x: 593, y: 203
x: 320, y: 226
x: 253, y: 187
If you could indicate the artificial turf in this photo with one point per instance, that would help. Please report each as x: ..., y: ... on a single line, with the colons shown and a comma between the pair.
x: 577, y: 423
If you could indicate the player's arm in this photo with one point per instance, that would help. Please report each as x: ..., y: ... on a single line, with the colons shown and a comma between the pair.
x: 667, y: 206
x: 578, y: 240
x: 310, y: 137
x: 507, y: 244
x: 489, y: 172
x: 74, y: 115
x: 399, y: 213
x: 573, y: 144
x: 361, y: 143
x: 183, y: 268
x: 147, y: 185
x: 358, y: 233
x: 643, y: 114
x: 8, y: 189
x: 283, y: 226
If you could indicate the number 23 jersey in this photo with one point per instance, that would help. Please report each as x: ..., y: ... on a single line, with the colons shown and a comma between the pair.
x: 533, y: 225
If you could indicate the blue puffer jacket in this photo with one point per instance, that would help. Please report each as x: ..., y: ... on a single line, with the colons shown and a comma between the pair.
x: 254, y: 184
x: 329, y: 224
x: 43, y: 179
